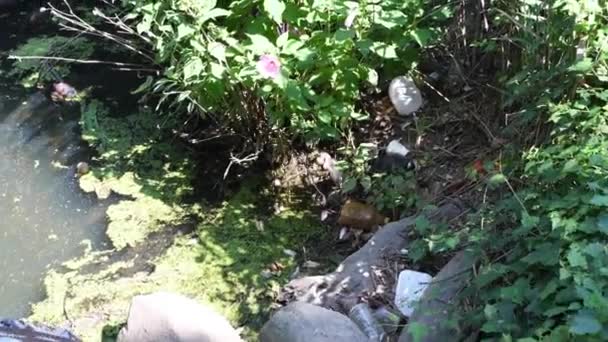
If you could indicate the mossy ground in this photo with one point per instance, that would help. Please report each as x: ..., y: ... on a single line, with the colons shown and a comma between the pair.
x: 220, y: 264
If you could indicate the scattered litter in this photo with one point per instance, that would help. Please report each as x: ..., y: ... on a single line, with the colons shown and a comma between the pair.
x: 404, y: 95
x: 410, y: 287
x: 290, y: 252
x: 259, y: 225
x: 324, y: 215
x: 362, y: 315
x: 388, y: 319
x: 344, y: 233
x: 311, y: 264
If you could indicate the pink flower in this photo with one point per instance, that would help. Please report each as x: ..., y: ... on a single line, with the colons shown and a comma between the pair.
x: 269, y: 66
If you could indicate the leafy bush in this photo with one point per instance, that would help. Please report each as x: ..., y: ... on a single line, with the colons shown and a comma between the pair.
x: 545, y: 261
x: 326, y: 51
x: 67, y: 47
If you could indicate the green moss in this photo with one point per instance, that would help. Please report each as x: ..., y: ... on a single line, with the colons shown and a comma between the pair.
x: 220, y: 266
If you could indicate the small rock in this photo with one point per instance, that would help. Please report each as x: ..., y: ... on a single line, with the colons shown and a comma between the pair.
x: 303, y: 322
x: 410, y: 287
x: 404, y: 95
x: 82, y: 168
x: 169, y: 317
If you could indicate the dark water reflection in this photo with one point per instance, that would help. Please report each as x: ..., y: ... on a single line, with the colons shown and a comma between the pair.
x: 44, y: 219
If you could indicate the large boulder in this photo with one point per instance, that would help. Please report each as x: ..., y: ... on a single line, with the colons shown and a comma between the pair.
x: 303, y: 322
x: 171, y: 317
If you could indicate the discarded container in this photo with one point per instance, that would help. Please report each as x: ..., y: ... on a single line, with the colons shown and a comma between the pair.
x: 388, y: 319
x: 362, y: 315
x: 410, y: 287
x: 404, y: 95
x: 360, y: 216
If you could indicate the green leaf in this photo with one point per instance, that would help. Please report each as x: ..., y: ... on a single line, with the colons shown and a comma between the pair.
x: 275, y: 9
x: 602, y: 223
x: 384, y: 50
x: 584, y: 65
x: 215, y: 13
x: 372, y: 77
x: 260, y: 44
x: 282, y: 39
x: 194, y: 67
x: 584, y: 322
x: 184, y: 30
x: 422, y: 223
x: 529, y: 221
x: 291, y: 47
x: 497, y: 179
x: 218, y: 51
x: 217, y: 70
x: 576, y: 257
x: 422, y: 36
x: 417, y: 330
x: 599, y: 200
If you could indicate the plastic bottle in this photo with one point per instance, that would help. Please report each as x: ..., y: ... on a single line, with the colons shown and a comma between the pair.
x: 361, y: 314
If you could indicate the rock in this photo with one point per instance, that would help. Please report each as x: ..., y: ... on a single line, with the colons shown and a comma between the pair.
x: 82, y: 168
x: 404, y: 95
x: 302, y: 322
x: 171, y: 317
x: 436, y: 307
x: 410, y: 287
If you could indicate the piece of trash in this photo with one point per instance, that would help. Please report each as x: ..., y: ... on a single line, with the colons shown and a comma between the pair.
x: 324, y: 215
x: 289, y: 252
x: 311, y: 264
x: 329, y: 164
x: 267, y: 274
x: 259, y: 225
x: 404, y: 95
x: 360, y: 216
x: 388, y: 319
x: 410, y: 287
x: 395, y: 156
x: 362, y: 315
x: 344, y: 233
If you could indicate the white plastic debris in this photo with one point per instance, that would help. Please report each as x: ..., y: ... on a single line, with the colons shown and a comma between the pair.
x: 410, y: 287
x: 404, y: 95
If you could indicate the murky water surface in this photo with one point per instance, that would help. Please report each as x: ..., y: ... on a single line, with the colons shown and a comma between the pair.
x: 44, y: 219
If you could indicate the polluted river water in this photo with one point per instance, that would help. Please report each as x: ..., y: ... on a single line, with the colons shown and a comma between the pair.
x: 44, y: 218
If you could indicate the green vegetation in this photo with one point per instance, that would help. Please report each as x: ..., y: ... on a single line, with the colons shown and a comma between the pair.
x: 277, y: 72
x: 327, y: 52
x: 29, y: 71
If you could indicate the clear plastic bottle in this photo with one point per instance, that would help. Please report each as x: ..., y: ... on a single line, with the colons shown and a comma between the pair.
x: 361, y: 314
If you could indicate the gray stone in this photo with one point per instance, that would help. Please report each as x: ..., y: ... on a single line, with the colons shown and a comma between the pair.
x: 171, y: 317
x: 439, y: 300
x: 303, y: 322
